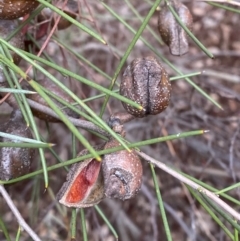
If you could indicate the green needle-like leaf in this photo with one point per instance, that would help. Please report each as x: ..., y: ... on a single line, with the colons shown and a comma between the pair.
x: 3, y: 229
x: 234, y: 10
x: 64, y: 119
x: 81, y: 79
x: 163, y: 58
x: 25, y: 145
x: 63, y: 87
x: 227, y: 189
x: 108, y: 223
x: 84, y: 228
x: 28, y: 115
x: 70, y: 19
x: 221, y: 212
x: 18, y: 233
x: 211, y: 213
x: 129, y: 49
x: 191, y: 35
x: 161, y: 205
x: 9, y: 90
x: 73, y: 224
x: 107, y: 151
x: 19, y: 138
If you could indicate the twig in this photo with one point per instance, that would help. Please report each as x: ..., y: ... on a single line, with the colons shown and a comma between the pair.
x: 18, y: 216
x: 192, y: 184
x: 87, y: 125
x: 221, y: 1
x: 77, y: 122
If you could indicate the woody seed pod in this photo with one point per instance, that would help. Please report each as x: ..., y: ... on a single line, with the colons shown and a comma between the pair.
x: 15, y: 161
x: 119, y: 175
x: 84, y: 185
x: 122, y: 172
x: 146, y: 82
x: 13, y: 9
x: 6, y: 27
x: 171, y: 32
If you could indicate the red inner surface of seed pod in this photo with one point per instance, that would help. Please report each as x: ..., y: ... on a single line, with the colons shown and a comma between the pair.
x: 83, y: 182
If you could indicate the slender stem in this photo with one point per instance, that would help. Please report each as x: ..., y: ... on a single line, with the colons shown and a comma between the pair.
x: 17, y: 214
x: 223, y: 214
x: 128, y: 51
x: 108, y: 223
x: 192, y: 36
x: 161, y: 205
x: 205, y: 205
x: 236, y: 3
x: 107, y: 151
x: 77, y: 122
x: 73, y: 224
x: 84, y: 228
x: 192, y: 184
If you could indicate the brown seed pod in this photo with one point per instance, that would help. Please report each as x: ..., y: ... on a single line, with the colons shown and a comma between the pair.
x: 13, y: 9
x: 122, y: 172
x: 146, y: 82
x: 15, y: 162
x: 171, y: 32
x: 84, y: 185
x: 6, y: 27
x: 70, y: 8
x: 49, y: 85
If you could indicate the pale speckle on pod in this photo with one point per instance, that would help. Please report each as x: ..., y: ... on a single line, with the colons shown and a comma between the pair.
x: 122, y: 172
x: 84, y: 186
x: 15, y: 162
x: 171, y: 32
x: 13, y: 9
x: 71, y: 9
x: 50, y: 86
x: 146, y: 82
x: 6, y: 27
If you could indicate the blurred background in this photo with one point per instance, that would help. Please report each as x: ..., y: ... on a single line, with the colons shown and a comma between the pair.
x: 212, y: 158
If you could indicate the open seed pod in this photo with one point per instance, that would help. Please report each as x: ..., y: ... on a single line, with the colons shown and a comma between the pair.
x: 49, y: 85
x: 146, y: 82
x: 70, y: 8
x: 84, y: 184
x: 6, y: 27
x: 13, y: 9
x: 15, y: 162
x: 171, y: 32
x: 122, y: 172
